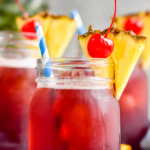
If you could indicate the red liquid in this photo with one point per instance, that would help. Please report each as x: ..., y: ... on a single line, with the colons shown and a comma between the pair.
x: 73, y: 119
x: 134, y: 109
x: 17, y: 86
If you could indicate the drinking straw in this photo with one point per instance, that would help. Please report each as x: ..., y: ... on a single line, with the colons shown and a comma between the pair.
x: 76, y: 16
x: 44, y: 50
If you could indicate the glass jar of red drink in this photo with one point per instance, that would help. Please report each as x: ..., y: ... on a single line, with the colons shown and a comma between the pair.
x: 17, y: 86
x: 74, y: 109
x: 134, y: 109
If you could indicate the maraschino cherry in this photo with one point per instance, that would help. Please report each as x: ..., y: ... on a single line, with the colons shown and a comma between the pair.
x: 134, y: 24
x: 29, y: 27
x: 100, y: 46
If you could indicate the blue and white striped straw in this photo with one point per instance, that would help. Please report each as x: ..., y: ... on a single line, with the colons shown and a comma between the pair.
x: 44, y: 51
x: 76, y: 16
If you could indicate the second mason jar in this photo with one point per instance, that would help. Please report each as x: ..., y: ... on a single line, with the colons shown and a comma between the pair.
x: 134, y: 109
x: 17, y: 86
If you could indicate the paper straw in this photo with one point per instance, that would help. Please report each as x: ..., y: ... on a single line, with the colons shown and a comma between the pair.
x: 76, y: 16
x: 44, y: 50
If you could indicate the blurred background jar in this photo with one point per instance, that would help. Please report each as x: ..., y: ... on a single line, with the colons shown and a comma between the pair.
x: 17, y: 85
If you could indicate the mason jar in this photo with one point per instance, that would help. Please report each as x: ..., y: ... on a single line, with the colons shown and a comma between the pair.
x: 17, y: 86
x: 75, y: 108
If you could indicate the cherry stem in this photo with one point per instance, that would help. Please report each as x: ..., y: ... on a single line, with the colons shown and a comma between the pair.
x: 112, y: 20
x: 25, y: 15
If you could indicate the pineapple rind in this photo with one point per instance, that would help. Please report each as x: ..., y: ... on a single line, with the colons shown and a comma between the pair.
x: 127, y: 50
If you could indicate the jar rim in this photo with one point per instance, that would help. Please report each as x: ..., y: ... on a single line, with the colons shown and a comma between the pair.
x: 63, y: 61
x: 95, y: 69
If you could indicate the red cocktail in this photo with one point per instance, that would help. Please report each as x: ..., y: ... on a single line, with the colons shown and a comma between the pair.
x: 17, y: 86
x: 134, y: 109
x: 16, y: 90
x: 74, y: 110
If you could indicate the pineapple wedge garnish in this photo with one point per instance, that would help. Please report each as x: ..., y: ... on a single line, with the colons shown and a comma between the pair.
x: 125, y: 147
x: 58, y: 31
x: 59, y: 34
x: 127, y: 50
x: 145, y: 18
x: 42, y: 17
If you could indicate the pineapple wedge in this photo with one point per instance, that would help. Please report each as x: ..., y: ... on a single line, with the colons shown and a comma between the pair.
x: 145, y: 18
x: 60, y: 32
x: 127, y: 50
x: 42, y: 17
